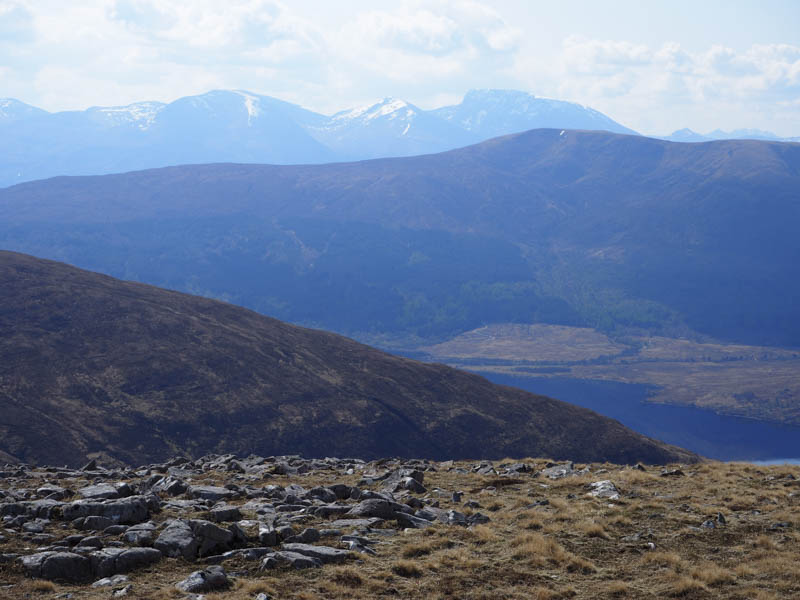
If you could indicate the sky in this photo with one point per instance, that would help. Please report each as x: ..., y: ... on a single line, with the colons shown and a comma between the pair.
x: 655, y: 66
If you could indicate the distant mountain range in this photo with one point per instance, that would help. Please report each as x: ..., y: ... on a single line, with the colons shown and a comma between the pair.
x: 239, y: 126
x: 90, y: 365
x: 687, y: 135
x: 617, y: 232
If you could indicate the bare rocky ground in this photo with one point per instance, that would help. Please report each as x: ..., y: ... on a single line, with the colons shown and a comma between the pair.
x: 224, y: 527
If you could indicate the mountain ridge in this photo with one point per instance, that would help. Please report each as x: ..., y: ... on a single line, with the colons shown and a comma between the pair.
x: 565, y: 227
x: 241, y: 126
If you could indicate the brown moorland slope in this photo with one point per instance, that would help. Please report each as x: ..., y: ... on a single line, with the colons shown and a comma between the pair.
x: 90, y: 365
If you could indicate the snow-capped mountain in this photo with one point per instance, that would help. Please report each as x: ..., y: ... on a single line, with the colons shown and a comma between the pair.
x: 388, y: 128
x: 491, y: 113
x: 12, y: 110
x: 687, y: 135
x: 241, y: 126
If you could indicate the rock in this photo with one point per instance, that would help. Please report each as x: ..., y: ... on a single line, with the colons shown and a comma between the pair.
x: 130, y: 511
x: 559, y: 471
x: 208, y: 580
x: 267, y: 536
x: 53, y: 492
x: 672, y: 473
x: 172, y: 486
x: 324, y: 554
x: 177, y: 540
x: 306, y: 536
x: 519, y: 468
x: 111, y: 561
x: 224, y: 512
x: 721, y: 519
x: 101, y: 491
x: 96, y: 523
x: 90, y: 466
x: 290, y: 559
x: 115, y: 530
x: 320, y: 493
x: 477, y: 519
x: 211, y: 537
x: 142, y: 534
x: 412, y: 521
x: 378, y: 507
x: 603, y: 489
x: 58, y: 566
x: 35, y: 526
x: 109, y: 581
x: 709, y: 524
x: 91, y: 541
x: 122, y: 592
x: 456, y: 497
x: 355, y: 523
x: 323, y: 512
x: 209, y: 492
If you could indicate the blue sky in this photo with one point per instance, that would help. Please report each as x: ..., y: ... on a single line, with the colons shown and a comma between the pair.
x: 655, y: 66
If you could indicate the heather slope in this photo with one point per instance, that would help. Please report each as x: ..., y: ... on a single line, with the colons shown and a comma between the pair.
x: 93, y: 365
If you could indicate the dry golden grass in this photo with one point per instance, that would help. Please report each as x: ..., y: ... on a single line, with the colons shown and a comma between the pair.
x: 570, y: 547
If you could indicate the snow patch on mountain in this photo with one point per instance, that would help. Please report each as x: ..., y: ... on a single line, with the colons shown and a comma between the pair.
x: 252, y: 104
x: 139, y: 114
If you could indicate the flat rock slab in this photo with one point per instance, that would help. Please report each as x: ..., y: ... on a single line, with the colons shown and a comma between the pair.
x: 210, y: 492
x: 112, y: 561
x: 295, y: 560
x: 58, y: 566
x: 345, y: 523
x: 324, y: 554
x: 101, y: 491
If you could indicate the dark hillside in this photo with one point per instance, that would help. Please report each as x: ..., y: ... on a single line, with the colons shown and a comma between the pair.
x: 93, y: 365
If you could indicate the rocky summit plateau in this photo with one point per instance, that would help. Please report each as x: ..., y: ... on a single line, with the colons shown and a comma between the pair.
x: 94, y: 367
x: 266, y: 528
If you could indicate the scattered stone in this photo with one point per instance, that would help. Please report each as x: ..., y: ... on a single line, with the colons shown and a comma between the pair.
x: 559, y: 471
x: 324, y: 554
x: 603, y: 489
x: 290, y: 559
x: 672, y: 473
x: 109, y: 581
x: 208, y: 580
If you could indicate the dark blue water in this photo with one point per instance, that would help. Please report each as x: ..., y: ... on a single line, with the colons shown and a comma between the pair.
x: 703, y: 431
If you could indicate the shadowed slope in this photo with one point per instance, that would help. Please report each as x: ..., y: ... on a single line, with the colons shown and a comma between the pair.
x: 90, y: 364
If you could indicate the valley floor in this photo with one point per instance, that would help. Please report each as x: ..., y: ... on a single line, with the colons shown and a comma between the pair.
x: 747, y: 381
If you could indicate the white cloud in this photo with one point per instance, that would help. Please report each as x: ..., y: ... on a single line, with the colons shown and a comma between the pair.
x: 16, y: 23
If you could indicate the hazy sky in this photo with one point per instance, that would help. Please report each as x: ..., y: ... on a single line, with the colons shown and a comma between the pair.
x: 653, y: 65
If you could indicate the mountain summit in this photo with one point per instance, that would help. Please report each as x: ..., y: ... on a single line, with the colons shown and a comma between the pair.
x: 491, y: 113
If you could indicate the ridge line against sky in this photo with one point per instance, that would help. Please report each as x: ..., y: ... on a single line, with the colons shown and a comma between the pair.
x: 653, y: 66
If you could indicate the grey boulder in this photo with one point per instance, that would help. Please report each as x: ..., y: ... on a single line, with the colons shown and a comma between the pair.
x: 112, y: 561
x: 208, y: 580
x: 58, y: 566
